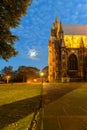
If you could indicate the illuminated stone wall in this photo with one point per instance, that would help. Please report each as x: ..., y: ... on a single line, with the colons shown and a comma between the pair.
x: 72, y: 41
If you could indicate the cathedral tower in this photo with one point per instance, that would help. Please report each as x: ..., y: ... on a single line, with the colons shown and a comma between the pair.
x: 54, y: 48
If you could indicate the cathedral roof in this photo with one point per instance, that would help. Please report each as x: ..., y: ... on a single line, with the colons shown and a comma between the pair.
x: 75, y: 29
x: 75, y: 35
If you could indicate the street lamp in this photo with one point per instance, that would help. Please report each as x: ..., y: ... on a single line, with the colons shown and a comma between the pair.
x: 41, y: 75
x: 8, y: 78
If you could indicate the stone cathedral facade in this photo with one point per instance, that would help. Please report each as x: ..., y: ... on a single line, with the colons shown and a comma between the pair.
x: 67, y: 55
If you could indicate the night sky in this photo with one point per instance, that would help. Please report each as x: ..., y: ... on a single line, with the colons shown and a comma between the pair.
x: 34, y: 29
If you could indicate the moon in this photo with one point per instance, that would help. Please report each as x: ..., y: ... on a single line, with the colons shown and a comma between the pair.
x: 32, y: 54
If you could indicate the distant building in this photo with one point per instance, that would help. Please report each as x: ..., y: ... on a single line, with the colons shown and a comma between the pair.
x: 67, y: 55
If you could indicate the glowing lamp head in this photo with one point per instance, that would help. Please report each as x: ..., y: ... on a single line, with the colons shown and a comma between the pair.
x: 41, y: 74
x: 35, y: 80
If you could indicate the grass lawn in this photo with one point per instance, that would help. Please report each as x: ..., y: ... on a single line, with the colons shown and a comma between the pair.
x: 17, y: 105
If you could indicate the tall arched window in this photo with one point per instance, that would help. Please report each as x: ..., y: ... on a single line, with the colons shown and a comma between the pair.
x: 85, y: 63
x: 72, y: 62
x: 85, y: 68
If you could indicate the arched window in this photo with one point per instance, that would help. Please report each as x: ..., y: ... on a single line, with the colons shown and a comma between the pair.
x: 85, y: 62
x: 72, y: 62
x: 85, y: 68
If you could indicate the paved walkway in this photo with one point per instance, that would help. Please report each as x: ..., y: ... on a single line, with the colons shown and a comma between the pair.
x: 64, y: 107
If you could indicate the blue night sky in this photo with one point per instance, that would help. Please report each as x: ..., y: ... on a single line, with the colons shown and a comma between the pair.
x: 34, y: 29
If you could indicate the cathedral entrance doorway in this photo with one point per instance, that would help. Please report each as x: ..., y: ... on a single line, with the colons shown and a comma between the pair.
x: 73, y: 67
x: 85, y: 68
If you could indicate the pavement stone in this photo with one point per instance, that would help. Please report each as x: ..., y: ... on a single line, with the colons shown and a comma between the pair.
x: 62, y: 115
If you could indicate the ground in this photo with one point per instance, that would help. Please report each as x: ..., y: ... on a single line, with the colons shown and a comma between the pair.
x: 17, y: 105
x: 64, y: 106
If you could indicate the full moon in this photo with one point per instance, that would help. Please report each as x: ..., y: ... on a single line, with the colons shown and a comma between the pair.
x: 32, y: 53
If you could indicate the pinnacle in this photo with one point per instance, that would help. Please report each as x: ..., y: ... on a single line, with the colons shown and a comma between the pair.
x: 81, y: 42
x: 56, y: 19
x: 60, y: 27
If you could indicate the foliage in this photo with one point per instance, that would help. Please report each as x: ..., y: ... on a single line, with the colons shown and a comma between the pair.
x: 45, y: 71
x: 11, y: 12
x: 21, y: 74
x: 25, y: 73
x: 6, y: 73
x: 7, y: 70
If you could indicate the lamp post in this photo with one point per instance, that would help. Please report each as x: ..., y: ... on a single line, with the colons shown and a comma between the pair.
x: 42, y: 113
x: 8, y: 78
x: 41, y: 75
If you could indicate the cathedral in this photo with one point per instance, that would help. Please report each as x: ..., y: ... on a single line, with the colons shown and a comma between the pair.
x: 67, y: 55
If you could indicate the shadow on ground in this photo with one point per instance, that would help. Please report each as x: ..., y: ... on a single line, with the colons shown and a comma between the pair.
x: 54, y: 93
x: 11, y: 113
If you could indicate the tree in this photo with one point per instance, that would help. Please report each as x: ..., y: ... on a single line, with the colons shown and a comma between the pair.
x: 24, y: 73
x: 45, y: 71
x: 7, y: 70
x: 11, y: 12
x: 7, y: 73
x: 27, y: 73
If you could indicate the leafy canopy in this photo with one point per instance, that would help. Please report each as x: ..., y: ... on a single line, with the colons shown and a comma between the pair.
x: 11, y: 12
